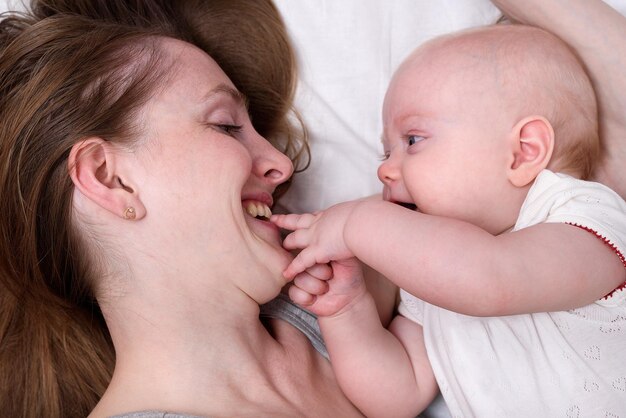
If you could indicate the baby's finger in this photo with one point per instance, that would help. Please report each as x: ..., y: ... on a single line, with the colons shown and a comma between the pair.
x: 301, y: 297
x: 310, y: 284
x: 293, y: 221
x: 304, y: 260
x: 297, y: 239
x: 320, y: 271
x: 282, y: 220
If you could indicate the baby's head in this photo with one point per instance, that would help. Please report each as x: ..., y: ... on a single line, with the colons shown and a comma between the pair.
x: 474, y: 116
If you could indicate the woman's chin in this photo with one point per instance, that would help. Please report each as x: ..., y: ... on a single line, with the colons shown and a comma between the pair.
x: 270, y: 234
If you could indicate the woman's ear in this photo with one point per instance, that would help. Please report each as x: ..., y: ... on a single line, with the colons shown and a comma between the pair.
x: 93, y: 165
x: 532, y: 144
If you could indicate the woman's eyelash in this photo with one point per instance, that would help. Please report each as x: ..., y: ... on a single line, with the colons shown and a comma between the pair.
x: 229, y: 129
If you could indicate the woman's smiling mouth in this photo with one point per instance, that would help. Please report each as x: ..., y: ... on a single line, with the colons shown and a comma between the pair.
x: 257, y: 209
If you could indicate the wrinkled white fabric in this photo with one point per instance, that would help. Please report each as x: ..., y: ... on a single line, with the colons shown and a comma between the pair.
x: 556, y: 364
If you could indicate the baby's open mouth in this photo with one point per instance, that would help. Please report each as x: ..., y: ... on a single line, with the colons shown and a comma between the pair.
x: 410, y: 206
x: 257, y: 210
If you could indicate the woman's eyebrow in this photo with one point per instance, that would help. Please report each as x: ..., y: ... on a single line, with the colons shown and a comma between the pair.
x: 237, y: 96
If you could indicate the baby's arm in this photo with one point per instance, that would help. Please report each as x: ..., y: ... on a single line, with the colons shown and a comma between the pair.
x: 456, y: 265
x: 383, y: 372
x: 597, y: 33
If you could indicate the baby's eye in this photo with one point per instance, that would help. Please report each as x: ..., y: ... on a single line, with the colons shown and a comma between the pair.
x: 384, y: 156
x: 414, y: 139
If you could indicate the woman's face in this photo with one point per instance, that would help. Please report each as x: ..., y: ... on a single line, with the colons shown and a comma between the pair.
x: 205, y: 170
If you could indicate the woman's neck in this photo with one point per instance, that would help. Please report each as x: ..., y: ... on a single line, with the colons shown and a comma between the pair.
x: 174, y: 350
x: 180, y: 352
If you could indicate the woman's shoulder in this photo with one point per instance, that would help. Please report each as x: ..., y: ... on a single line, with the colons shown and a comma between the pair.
x: 300, y: 369
x: 304, y: 321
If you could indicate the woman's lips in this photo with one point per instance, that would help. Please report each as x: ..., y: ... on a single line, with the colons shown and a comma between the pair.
x: 258, y: 214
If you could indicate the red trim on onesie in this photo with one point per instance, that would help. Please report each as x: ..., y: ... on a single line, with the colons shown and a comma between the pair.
x: 612, y: 246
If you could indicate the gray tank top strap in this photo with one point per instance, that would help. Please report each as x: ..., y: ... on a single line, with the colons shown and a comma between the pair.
x: 283, y: 308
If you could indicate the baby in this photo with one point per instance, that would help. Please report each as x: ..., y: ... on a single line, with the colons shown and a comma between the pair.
x: 511, y: 267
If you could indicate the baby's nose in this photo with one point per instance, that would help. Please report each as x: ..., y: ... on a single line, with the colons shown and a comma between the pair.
x: 388, y: 172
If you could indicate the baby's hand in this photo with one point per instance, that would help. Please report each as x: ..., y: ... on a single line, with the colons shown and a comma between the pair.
x: 319, y: 235
x: 310, y: 284
x: 325, y: 291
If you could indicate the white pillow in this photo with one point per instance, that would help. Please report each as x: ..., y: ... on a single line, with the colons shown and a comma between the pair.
x: 11, y: 5
x: 347, y: 51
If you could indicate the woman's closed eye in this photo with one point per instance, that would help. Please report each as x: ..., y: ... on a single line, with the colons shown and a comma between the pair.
x: 228, y: 129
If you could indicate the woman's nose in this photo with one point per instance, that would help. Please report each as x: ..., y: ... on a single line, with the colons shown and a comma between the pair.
x: 270, y: 164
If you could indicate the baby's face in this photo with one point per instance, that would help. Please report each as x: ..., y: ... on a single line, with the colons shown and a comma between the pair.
x: 444, y: 138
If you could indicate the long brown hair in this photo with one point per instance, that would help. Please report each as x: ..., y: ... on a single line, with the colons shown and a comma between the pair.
x: 62, y: 79
x: 56, y: 356
x: 247, y: 38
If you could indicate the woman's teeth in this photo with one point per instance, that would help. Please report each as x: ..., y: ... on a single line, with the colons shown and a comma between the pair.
x: 258, y: 210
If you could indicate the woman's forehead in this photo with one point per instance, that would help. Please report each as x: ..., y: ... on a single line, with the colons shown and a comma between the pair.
x: 193, y: 68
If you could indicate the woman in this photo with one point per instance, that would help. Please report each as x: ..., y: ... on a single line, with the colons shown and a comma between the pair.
x: 130, y: 169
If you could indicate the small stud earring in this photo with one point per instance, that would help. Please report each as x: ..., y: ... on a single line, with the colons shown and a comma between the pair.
x: 130, y: 213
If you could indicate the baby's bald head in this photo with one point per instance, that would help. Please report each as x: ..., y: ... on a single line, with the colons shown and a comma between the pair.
x: 516, y: 71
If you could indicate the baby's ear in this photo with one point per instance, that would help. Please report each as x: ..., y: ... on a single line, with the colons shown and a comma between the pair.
x: 532, y: 144
x: 94, y: 168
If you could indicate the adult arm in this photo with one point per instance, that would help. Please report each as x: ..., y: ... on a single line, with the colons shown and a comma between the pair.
x: 597, y: 32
